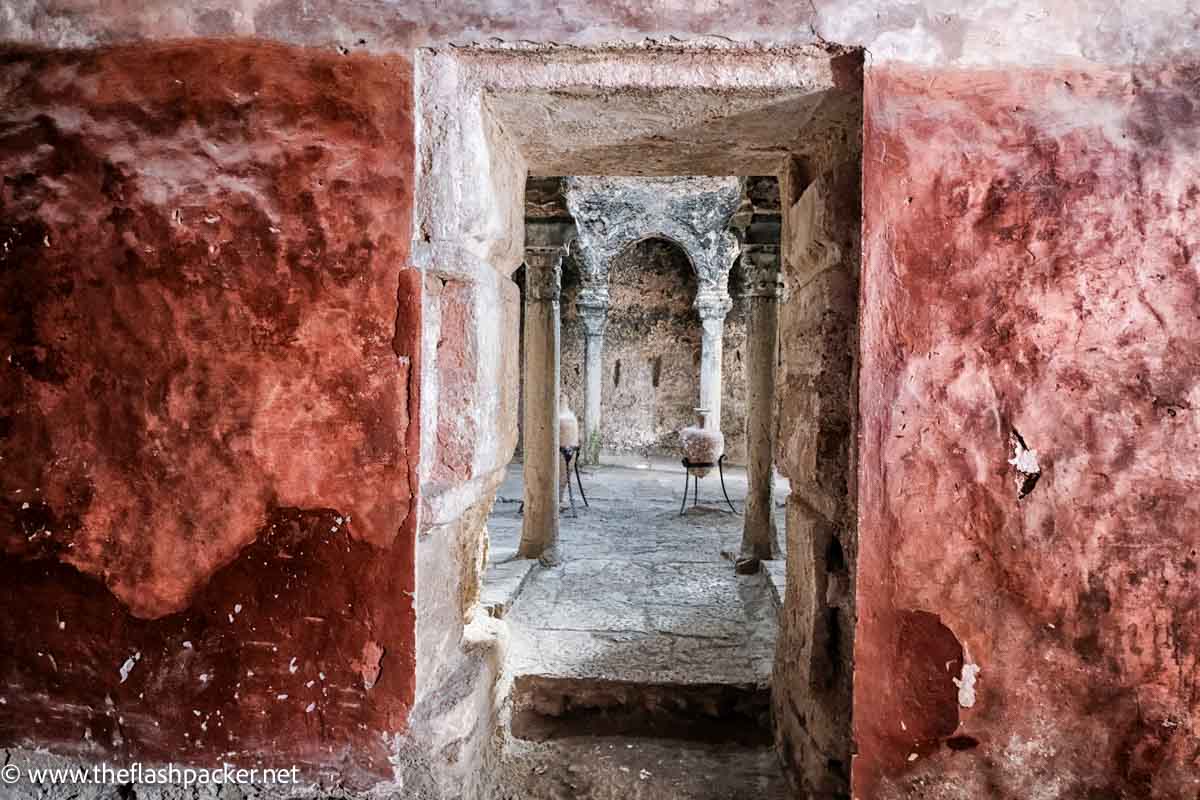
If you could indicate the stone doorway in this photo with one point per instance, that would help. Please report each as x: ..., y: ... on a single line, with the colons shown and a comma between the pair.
x: 490, y: 118
x: 643, y: 642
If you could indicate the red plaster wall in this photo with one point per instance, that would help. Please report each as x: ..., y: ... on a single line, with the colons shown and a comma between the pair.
x: 457, y: 371
x: 207, y: 403
x: 1030, y: 263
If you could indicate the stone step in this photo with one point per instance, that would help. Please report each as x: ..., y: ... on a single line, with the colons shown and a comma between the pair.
x: 503, y: 581
x: 553, y: 707
x: 634, y: 768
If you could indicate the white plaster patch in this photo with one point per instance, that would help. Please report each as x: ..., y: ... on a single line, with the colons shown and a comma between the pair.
x: 966, y: 685
x: 127, y: 667
x: 1024, y: 459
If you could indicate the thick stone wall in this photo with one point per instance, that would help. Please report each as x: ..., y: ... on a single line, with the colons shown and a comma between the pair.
x: 1029, y: 629
x: 654, y: 334
x: 467, y: 240
x: 814, y: 663
x: 208, y: 405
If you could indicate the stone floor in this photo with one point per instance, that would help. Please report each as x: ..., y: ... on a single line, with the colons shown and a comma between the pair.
x: 634, y: 768
x: 643, y: 655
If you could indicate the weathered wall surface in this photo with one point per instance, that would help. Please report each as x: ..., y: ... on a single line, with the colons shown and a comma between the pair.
x: 1030, y: 266
x: 995, y: 31
x: 207, y: 406
x: 467, y: 239
x: 471, y: 336
x: 654, y: 333
x: 814, y: 663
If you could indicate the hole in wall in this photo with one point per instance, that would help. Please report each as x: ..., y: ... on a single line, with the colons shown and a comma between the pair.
x: 960, y: 743
x: 617, y: 374
x: 655, y: 371
x: 833, y: 646
x: 835, y: 558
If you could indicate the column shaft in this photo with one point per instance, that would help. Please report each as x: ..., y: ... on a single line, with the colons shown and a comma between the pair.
x: 539, y: 530
x: 593, y: 374
x: 760, y: 538
x: 592, y: 306
x: 711, y: 356
x: 712, y: 304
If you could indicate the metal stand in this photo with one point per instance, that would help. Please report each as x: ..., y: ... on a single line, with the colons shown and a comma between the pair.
x: 579, y: 481
x: 569, y: 454
x: 688, y: 466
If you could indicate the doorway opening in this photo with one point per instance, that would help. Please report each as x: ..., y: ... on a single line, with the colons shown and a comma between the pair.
x: 636, y: 627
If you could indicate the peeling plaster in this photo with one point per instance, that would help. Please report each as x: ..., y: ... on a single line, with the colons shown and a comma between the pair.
x: 1026, y: 462
x: 966, y: 684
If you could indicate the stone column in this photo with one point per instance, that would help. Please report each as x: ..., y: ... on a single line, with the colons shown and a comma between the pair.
x: 592, y: 305
x: 543, y: 280
x: 712, y: 304
x: 760, y: 539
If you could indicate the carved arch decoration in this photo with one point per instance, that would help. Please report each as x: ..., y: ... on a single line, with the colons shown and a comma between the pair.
x: 612, y: 213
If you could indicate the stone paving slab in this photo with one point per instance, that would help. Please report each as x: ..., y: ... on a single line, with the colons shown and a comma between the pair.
x: 506, y: 573
x: 643, y: 594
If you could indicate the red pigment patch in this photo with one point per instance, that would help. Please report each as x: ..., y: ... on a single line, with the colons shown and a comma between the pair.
x: 1028, y: 265
x: 208, y: 400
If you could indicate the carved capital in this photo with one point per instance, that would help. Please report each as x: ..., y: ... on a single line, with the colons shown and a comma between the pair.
x: 760, y: 266
x: 592, y: 306
x: 594, y: 318
x: 712, y: 303
x: 593, y: 292
x: 543, y: 274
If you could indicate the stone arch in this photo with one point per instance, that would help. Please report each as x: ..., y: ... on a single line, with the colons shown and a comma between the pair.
x: 693, y: 212
x: 666, y: 237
